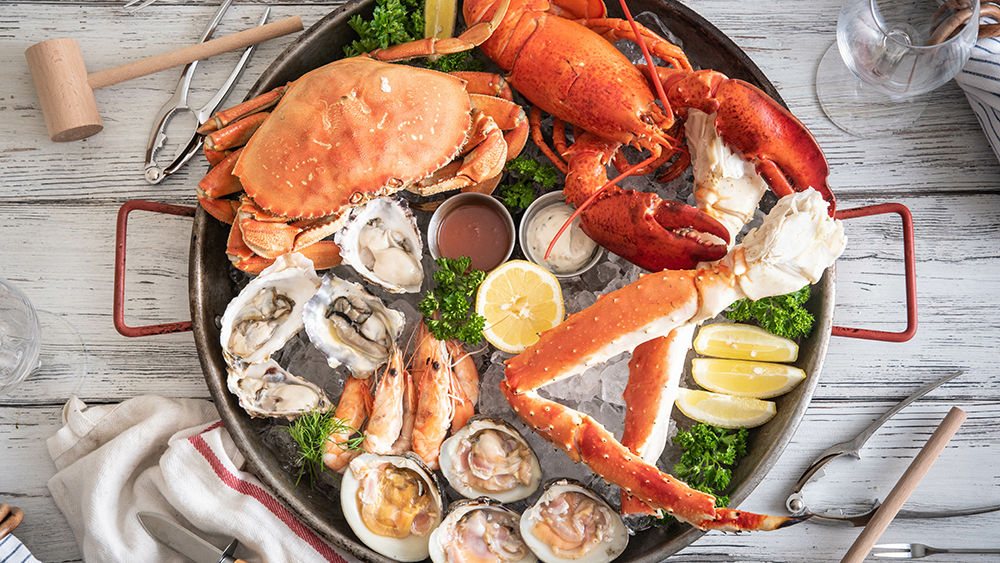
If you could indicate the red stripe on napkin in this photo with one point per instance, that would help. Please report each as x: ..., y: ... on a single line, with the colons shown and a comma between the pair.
x: 263, y: 497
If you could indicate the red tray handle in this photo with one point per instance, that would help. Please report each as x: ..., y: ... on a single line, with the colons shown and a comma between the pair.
x: 910, y: 267
x: 119, y: 301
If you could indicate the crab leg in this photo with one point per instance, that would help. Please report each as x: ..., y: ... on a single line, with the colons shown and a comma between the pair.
x: 654, y: 375
x: 793, y: 247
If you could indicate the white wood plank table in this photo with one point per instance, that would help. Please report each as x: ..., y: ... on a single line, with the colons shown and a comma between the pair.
x: 57, y: 213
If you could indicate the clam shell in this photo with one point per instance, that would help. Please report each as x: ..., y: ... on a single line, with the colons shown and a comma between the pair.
x: 615, y: 533
x: 455, y: 463
x: 449, y: 531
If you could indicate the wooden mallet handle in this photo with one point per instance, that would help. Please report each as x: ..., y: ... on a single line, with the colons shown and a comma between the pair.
x: 914, y: 473
x: 66, y: 91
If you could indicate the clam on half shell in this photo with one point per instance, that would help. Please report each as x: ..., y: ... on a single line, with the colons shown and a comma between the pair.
x: 569, y: 522
x: 351, y: 326
x: 480, y: 530
x: 489, y: 457
x: 268, y: 311
x: 393, y: 503
x: 382, y: 243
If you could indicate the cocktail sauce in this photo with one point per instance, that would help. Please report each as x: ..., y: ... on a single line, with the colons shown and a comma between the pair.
x: 477, y: 231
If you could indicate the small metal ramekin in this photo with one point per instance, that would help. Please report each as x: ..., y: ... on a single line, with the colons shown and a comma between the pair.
x: 536, y: 206
x: 459, y: 200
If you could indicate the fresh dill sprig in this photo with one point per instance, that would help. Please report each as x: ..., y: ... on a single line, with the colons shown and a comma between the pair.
x: 783, y: 315
x: 310, y: 431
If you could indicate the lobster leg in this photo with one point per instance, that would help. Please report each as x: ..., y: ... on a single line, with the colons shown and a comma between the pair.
x: 614, y: 29
x: 638, y: 226
x: 470, y: 38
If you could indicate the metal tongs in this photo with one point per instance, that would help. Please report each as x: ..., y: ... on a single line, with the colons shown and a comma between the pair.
x: 178, y: 103
x: 797, y: 506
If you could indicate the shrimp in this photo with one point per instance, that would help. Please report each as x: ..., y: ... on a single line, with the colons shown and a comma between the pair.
x: 353, y: 408
x: 435, y: 408
x: 386, y: 421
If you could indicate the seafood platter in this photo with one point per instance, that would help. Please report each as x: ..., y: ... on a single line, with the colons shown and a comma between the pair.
x: 320, y: 312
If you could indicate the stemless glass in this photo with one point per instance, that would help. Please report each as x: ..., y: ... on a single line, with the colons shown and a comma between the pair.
x: 888, y: 53
x: 20, y: 341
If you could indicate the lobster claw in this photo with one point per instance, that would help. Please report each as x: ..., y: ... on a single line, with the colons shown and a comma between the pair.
x: 782, y: 150
x: 653, y: 233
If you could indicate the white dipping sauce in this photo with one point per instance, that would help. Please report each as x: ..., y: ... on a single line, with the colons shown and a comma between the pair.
x: 573, y: 249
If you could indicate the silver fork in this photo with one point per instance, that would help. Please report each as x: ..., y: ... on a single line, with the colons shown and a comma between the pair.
x: 918, y: 550
x: 133, y: 6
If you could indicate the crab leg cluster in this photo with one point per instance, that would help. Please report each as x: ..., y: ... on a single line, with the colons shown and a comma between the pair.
x: 793, y: 247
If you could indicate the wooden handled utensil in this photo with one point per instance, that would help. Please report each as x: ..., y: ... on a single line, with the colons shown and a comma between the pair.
x: 914, y: 473
x: 66, y: 91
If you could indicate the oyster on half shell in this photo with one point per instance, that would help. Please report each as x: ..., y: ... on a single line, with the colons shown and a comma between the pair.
x: 268, y: 311
x: 381, y: 241
x: 267, y: 389
x: 351, y: 326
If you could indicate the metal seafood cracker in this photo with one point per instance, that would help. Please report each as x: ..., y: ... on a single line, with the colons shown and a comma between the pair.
x: 797, y: 506
x: 178, y: 103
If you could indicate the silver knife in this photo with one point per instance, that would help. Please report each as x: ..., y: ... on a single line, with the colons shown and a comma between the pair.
x: 185, y: 542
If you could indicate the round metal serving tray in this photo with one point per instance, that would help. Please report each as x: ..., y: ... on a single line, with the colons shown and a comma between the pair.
x: 212, y: 286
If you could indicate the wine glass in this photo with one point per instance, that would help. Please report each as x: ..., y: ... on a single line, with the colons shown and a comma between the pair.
x: 888, y: 53
x: 20, y: 337
x: 34, y: 341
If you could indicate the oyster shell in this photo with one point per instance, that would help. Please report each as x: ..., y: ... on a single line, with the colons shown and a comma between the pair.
x: 489, y: 457
x: 381, y: 241
x: 268, y: 311
x: 393, y: 503
x: 571, y: 522
x: 267, y: 389
x: 480, y: 530
x: 351, y: 326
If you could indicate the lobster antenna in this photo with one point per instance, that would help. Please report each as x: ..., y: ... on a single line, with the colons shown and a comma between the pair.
x: 591, y: 199
x: 649, y: 61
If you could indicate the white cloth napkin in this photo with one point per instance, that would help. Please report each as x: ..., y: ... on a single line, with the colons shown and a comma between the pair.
x: 173, y: 457
x: 980, y: 78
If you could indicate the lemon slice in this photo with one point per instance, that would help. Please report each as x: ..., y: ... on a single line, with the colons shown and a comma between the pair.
x: 519, y: 300
x: 439, y: 18
x: 759, y: 380
x: 724, y: 411
x: 744, y: 342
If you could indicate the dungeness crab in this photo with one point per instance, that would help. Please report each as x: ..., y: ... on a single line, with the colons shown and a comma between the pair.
x: 343, y: 134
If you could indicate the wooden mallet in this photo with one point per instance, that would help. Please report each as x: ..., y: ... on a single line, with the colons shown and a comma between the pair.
x: 66, y: 91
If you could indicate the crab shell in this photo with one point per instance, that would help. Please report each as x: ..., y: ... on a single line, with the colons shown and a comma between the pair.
x: 351, y: 131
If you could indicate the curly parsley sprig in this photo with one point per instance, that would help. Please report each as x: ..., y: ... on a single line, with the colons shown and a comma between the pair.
x: 783, y: 315
x: 310, y: 431
x: 456, y: 283
x: 709, y: 454
x: 393, y: 22
x: 520, y: 194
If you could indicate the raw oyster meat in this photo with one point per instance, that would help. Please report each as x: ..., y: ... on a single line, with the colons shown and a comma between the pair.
x: 266, y: 389
x: 268, y: 312
x: 381, y: 242
x: 351, y: 326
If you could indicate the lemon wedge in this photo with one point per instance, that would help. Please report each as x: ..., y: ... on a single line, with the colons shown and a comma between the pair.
x: 744, y: 342
x: 760, y: 380
x: 519, y: 300
x: 439, y: 18
x: 724, y: 411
